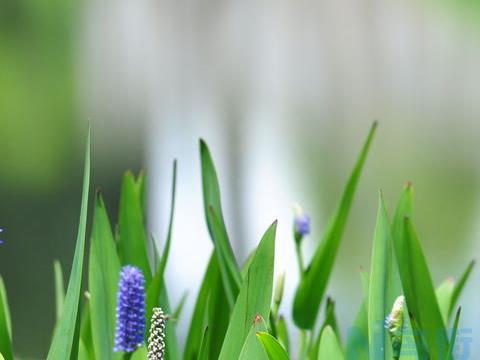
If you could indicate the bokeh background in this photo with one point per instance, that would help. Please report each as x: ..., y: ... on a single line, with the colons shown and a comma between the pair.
x: 283, y: 91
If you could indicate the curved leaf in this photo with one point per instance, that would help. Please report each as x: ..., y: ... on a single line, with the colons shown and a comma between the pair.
x: 312, y: 287
x: 274, y: 350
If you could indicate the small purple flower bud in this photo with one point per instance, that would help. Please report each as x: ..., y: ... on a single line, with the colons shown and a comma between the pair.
x: 1, y: 241
x: 301, y: 222
x: 130, y: 310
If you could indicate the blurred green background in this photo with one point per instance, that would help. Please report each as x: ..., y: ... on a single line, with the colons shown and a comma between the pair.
x: 293, y: 84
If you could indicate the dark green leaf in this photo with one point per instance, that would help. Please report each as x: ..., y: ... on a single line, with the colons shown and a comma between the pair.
x: 312, y: 287
x: 199, y: 315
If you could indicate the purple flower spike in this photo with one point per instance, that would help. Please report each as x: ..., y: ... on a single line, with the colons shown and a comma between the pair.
x: 1, y: 241
x: 130, y: 310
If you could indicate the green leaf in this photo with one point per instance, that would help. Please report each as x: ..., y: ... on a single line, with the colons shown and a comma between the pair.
x: 1, y: 357
x: 216, y: 226
x: 282, y: 332
x: 330, y: 348
x: 254, y: 298
x: 65, y: 341
x: 103, y: 275
x: 132, y: 243
x: 204, y: 350
x: 312, y: 287
x: 86, y: 337
x: 158, y: 281
x: 252, y: 348
x: 357, y: 338
x: 381, y: 295
x: 457, y: 291
x: 199, y: 315
x: 218, y: 317
x: 420, y: 296
x: 274, y: 350
x: 405, y: 209
x: 178, y: 310
x: 139, y: 354
x: 453, y: 337
x: 330, y: 320
x: 5, y: 324
x: 444, y: 297
x: 59, y: 288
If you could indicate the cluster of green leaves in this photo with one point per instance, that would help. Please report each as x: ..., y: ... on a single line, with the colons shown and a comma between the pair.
x: 235, y: 315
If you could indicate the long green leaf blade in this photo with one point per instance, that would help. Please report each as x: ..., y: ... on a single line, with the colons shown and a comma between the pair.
x: 5, y: 324
x: 216, y: 225
x: 381, y: 296
x: 198, y: 320
x: 457, y: 291
x: 312, y: 287
x: 419, y: 293
x: 103, y: 274
x: 254, y: 298
x: 65, y: 341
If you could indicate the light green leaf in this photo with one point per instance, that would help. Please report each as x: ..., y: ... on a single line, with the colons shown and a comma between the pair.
x: 103, y: 275
x: 204, y: 350
x: 274, y: 350
x: 330, y: 320
x: 5, y: 324
x: 86, y: 337
x: 65, y: 341
x: 330, y: 348
x: 312, y: 287
x: 139, y: 354
x: 254, y: 298
x: 216, y: 226
x: 252, y: 348
x: 444, y: 297
x: 381, y: 295
x: 59, y: 288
